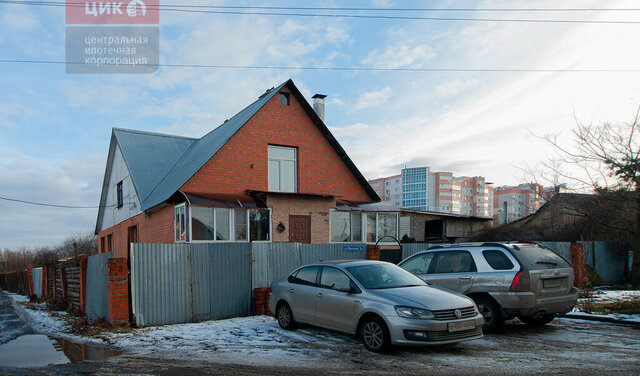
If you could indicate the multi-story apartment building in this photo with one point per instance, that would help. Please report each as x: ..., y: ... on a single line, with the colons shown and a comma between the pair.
x: 422, y: 189
x: 389, y: 189
x: 514, y: 202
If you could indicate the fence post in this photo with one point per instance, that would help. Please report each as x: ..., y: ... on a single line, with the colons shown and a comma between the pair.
x: 83, y: 284
x: 45, y: 276
x: 577, y: 260
x: 30, y: 284
x: 118, y: 290
x: 373, y: 252
x: 63, y: 280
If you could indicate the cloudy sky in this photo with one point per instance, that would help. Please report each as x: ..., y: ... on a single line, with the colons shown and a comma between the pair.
x: 55, y: 127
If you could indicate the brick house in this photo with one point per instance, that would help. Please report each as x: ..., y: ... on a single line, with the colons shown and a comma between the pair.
x: 273, y: 173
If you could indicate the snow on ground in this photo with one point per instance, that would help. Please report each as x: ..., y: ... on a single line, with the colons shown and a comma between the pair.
x: 604, y: 296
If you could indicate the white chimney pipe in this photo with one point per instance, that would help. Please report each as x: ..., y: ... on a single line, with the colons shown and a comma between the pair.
x: 318, y: 105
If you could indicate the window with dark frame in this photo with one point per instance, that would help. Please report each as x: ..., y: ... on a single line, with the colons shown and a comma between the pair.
x: 283, y: 98
x: 119, y: 189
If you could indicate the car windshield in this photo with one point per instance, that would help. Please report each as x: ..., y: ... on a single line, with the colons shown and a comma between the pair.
x: 384, y: 276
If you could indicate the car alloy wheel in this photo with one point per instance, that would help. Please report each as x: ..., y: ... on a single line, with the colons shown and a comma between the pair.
x: 491, y: 313
x: 374, y: 335
x: 284, y: 316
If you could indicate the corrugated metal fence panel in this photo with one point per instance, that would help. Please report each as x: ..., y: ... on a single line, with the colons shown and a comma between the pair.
x: 201, y: 271
x: 607, y: 260
x: 36, y: 279
x: 230, y: 285
x: 410, y: 249
x: 97, y: 299
x: 311, y: 253
x: 161, y: 283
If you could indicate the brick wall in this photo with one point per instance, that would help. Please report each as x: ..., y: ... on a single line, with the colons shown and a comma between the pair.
x: 317, y: 208
x: 118, y: 290
x: 156, y: 227
x: 261, y: 299
x: 241, y: 163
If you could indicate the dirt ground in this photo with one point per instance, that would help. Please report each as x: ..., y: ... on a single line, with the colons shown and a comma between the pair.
x: 563, y: 347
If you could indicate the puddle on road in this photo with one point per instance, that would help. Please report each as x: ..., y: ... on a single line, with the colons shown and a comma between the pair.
x: 37, y: 350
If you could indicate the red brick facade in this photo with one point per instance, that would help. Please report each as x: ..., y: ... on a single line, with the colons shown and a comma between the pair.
x: 242, y: 164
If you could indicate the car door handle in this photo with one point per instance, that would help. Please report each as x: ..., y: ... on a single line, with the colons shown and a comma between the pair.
x: 319, y: 295
x: 291, y: 290
x: 465, y: 278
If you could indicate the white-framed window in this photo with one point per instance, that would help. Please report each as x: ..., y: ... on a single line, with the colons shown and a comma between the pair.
x: 225, y: 225
x: 359, y: 226
x: 180, y: 223
x: 282, y: 169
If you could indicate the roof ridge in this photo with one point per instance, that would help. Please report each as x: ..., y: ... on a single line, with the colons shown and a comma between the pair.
x: 153, y: 133
x: 219, y: 128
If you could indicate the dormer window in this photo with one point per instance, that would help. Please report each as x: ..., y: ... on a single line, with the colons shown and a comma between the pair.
x: 283, y: 98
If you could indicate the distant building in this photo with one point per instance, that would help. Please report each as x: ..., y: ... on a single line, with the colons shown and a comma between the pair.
x: 418, y: 188
x: 514, y: 202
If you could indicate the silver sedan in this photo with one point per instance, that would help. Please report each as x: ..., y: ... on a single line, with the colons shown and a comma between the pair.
x: 380, y: 302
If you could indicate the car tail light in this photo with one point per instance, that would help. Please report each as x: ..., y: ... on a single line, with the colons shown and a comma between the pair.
x: 521, y: 282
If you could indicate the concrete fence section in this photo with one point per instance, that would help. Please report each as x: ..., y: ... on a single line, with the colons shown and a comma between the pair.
x: 36, y: 280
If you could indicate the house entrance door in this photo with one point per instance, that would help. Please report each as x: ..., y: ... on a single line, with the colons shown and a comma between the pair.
x: 300, y: 228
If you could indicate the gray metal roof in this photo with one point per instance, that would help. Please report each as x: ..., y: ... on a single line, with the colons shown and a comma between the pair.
x: 150, y: 156
x: 201, y: 151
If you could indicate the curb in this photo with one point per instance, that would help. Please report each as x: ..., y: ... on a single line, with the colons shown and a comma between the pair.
x: 602, y: 319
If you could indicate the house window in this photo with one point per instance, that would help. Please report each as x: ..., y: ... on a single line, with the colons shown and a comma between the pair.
x: 180, y: 223
x: 109, y: 243
x: 119, y: 191
x: 283, y: 98
x: 240, y: 225
x: 282, y: 169
x: 348, y: 227
x: 259, y: 225
x: 201, y: 223
x: 222, y: 224
x: 102, y: 248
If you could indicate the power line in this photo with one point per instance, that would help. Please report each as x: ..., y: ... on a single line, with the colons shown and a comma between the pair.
x: 56, y: 205
x: 351, y: 69
x: 182, y: 8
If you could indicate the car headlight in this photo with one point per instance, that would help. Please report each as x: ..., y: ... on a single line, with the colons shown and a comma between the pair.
x: 413, y: 313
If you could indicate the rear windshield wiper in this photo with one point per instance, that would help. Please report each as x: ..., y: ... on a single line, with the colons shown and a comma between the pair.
x: 547, y: 262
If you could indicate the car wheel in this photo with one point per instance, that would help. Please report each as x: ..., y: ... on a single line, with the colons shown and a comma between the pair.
x: 491, y: 312
x: 375, y: 335
x: 285, y: 316
x: 538, y: 321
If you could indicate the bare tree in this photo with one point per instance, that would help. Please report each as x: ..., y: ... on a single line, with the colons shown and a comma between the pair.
x: 605, y: 159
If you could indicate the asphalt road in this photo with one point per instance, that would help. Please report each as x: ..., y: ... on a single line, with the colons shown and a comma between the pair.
x: 562, y: 347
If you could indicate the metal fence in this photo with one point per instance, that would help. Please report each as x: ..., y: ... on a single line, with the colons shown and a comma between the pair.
x: 36, y: 280
x: 273, y: 261
x: 174, y: 283
x: 96, y: 304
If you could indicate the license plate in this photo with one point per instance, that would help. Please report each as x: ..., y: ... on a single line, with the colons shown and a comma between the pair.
x: 462, y: 325
x: 556, y: 282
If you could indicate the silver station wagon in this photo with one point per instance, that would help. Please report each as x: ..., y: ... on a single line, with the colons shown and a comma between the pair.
x: 506, y: 280
x: 377, y: 301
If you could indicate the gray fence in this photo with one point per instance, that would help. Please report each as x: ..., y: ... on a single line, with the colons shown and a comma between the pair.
x: 603, y: 257
x: 273, y: 261
x: 36, y: 280
x: 174, y: 283
x: 97, y: 296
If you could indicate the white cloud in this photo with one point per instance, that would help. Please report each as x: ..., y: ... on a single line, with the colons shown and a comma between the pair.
x: 372, y: 99
x: 453, y: 88
x: 397, y: 56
